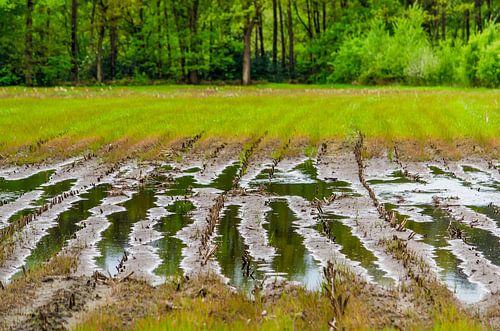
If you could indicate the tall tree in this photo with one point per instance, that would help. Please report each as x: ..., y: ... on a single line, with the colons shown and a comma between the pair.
x: 291, y: 52
x: 275, y: 36
x: 28, y: 47
x: 251, y: 10
x: 247, y: 46
x: 282, y: 36
x: 479, y: 20
x: 74, y: 41
x: 101, y: 26
x: 113, y: 36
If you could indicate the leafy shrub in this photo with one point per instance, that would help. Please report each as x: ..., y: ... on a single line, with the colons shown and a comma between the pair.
x: 488, y: 66
x: 347, y: 61
x: 423, y: 67
x: 479, y: 64
x: 7, y: 77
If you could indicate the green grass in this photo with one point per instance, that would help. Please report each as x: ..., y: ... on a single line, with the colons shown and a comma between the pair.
x: 41, y: 123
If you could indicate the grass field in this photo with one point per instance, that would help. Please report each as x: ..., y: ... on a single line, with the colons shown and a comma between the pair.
x: 37, y: 124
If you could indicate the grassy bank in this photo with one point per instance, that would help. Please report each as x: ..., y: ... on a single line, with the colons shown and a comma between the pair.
x: 38, y: 124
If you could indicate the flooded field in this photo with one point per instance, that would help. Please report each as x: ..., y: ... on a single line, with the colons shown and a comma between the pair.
x: 253, y: 224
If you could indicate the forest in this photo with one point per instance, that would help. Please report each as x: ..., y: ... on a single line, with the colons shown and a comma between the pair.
x: 85, y: 42
x: 250, y: 165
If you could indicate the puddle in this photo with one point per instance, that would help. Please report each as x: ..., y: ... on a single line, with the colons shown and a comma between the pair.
x: 192, y: 170
x: 301, y: 181
x: 436, y: 234
x: 170, y: 247
x: 491, y: 211
x: 67, y: 226
x: 115, y: 239
x: 396, y: 177
x: 353, y: 248
x: 232, y: 251
x: 12, y: 189
x: 479, y: 180
x: 224, y: 181
x: 49, y: 192
x: 293, y: 260
x: 467, y: 168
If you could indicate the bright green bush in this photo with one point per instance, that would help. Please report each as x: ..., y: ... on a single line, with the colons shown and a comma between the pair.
x: 407, y: 56
x: 347, y: 61
x: 488, y: 66
x: 479, y: 63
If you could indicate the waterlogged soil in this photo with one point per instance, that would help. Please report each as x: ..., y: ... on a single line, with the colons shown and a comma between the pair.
x: 10, y: 189
x: 67, y: 226
x: 115, y: 239
x: 301, y: 181
x: 431, y: 202
x: 292, y: 259
x: 48, y: 192
x: 170, y: 247
x: 232, y: 254
x: 161, y: 201
x: 353, y: 248
x: 435, y: 233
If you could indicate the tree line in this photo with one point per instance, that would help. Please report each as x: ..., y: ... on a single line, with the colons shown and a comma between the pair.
x: 450, y: 42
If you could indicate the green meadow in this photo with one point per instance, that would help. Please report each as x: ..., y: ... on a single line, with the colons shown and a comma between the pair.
x: 42, y: 123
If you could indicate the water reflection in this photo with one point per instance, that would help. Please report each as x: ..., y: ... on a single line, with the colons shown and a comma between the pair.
x: 353, y: 248
x: 170, y: 247
x: 301, y: 181
x: 67, y: 226
x: 435, y: 233
x: 48, y: 192
x: 292, y: 259
x: 115, y: 239
x: 12, y: 189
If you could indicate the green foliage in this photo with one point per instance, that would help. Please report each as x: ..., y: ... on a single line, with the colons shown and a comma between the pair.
x: 71, y: 120
x: 369, y: 42
x: 481, y: 58
x: 407, y: 56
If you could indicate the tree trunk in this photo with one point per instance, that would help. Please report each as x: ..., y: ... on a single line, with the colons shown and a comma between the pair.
x: 479, y: 21
x: 309, y: 23
x: 467, y: 24
x: 194, y: 49
x: 256, y: 42
x: 324, y: 15
x: 436, y: 22
x: 275, y: 36
x: 443, y: 24
x: 291, y: 54
x: 282, y: 34
x: 113, y: 9
x: 261, y: 37
x: 100, y: 39
x: 167, y: 34
x: 74, y: 41
x: 247, y: 51
x: 181, y: 40
x: 28, y: 51
x: 159, y: 62
x: 113, y: 41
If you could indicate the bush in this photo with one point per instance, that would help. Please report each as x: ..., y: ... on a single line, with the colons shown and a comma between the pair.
x: 449, y: 62
x: 347, y: 62
x: 423, y: 67
x: 488, y: 66
x: 7, y: 77
x: 480, y: 58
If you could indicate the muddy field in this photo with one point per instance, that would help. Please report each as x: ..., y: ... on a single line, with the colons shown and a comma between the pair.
x: 252, y: 220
